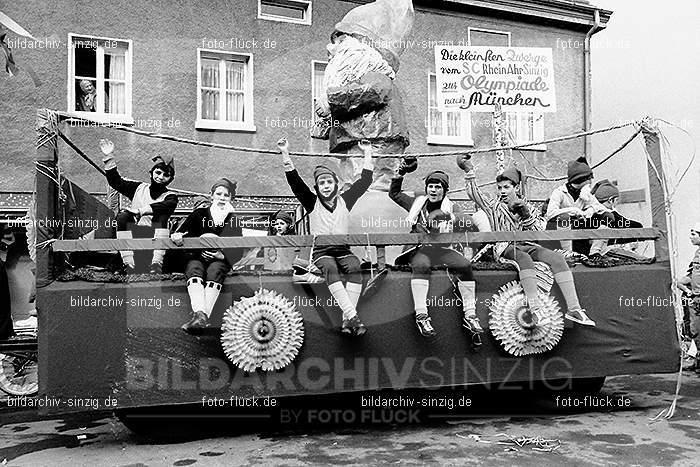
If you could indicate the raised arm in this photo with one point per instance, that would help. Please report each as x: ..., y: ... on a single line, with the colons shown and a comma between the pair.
x: 475, y: 194
x: 125, y: 187
x: 397, y: 195
x: 408, y: 164
x: 357, y: 189
x: 301, y: 190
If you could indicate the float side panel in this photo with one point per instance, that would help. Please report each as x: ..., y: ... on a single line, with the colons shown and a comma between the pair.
x: 159, y: 364
x: 81, y: 347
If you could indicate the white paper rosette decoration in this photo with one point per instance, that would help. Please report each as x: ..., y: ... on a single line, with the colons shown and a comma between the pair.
x: 507, y: 323
x: 263, y: 331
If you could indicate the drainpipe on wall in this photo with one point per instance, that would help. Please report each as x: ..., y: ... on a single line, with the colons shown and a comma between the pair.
x: 597, y: 26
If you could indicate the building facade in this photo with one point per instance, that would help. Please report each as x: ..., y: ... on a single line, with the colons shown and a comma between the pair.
x: 245, y: 73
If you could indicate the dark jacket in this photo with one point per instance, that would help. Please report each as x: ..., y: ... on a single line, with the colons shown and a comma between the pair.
x: 161, y: 210
x: 200, y: 222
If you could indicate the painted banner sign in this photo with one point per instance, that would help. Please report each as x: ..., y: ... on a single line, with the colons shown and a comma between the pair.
x: 521, y: 79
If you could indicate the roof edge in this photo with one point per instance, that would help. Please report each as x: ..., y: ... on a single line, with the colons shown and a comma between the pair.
x: 563, y: 11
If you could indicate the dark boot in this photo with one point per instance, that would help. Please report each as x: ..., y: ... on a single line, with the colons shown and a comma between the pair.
x: 425, y: 325
x: 198, y: 322
x: 471, y: 324
x: 353, y: 326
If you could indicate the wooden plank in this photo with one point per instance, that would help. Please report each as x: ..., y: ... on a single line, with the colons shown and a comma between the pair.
x: 377, y: 239
x: 46, y: 193
x: 656, y: 191
x: 633, y: 196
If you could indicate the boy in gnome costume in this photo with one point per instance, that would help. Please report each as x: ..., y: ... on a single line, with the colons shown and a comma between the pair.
x: 573, y: 205
x: 607, y: 194
x: 207, y: 269
x: 280, y: 259
x: 329, y: 212
x: 511, y: 213
x: 360, y: 100
x: 151, y: 204
x: 282, y: 224
x: 434, y: 212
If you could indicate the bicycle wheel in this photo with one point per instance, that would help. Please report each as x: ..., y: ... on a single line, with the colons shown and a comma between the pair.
x: 19, y: 371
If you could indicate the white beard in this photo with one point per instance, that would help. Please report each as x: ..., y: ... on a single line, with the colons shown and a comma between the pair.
x: 219, y: 213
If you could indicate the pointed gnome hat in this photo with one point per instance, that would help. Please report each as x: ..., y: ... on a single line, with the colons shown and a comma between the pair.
x: 578, y: 170
x: 387, y: 23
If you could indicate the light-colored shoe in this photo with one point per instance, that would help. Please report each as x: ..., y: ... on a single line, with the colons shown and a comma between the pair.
x: 471, y: 323
x: 579, y: 316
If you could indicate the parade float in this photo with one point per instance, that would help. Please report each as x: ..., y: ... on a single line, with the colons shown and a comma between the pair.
x: 274, y: 331
x: 103, y: 335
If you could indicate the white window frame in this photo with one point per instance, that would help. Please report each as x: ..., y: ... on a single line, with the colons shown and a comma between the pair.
x: 100, y: 116
x: 306, y: 4
x: 249, y: 116
x: 465, y: 117
x: 314, y: 117
x: 489, y: 31
x: 521, y: 127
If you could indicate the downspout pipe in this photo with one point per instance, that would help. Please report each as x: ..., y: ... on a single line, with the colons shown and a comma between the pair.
x: 587, y: 110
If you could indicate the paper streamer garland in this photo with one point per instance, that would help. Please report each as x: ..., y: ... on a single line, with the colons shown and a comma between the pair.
x: 263, y: 331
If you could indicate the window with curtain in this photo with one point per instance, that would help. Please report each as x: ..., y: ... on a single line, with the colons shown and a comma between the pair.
x: 447, y: 127
x: 100, y: 78
x: 523, y: 127
x: 225, y: 94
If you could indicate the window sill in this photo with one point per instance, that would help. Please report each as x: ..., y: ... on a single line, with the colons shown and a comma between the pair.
x: 437, y: 140
x: 282, y: 19
x: 226, y: 126
x: 104, y: 119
